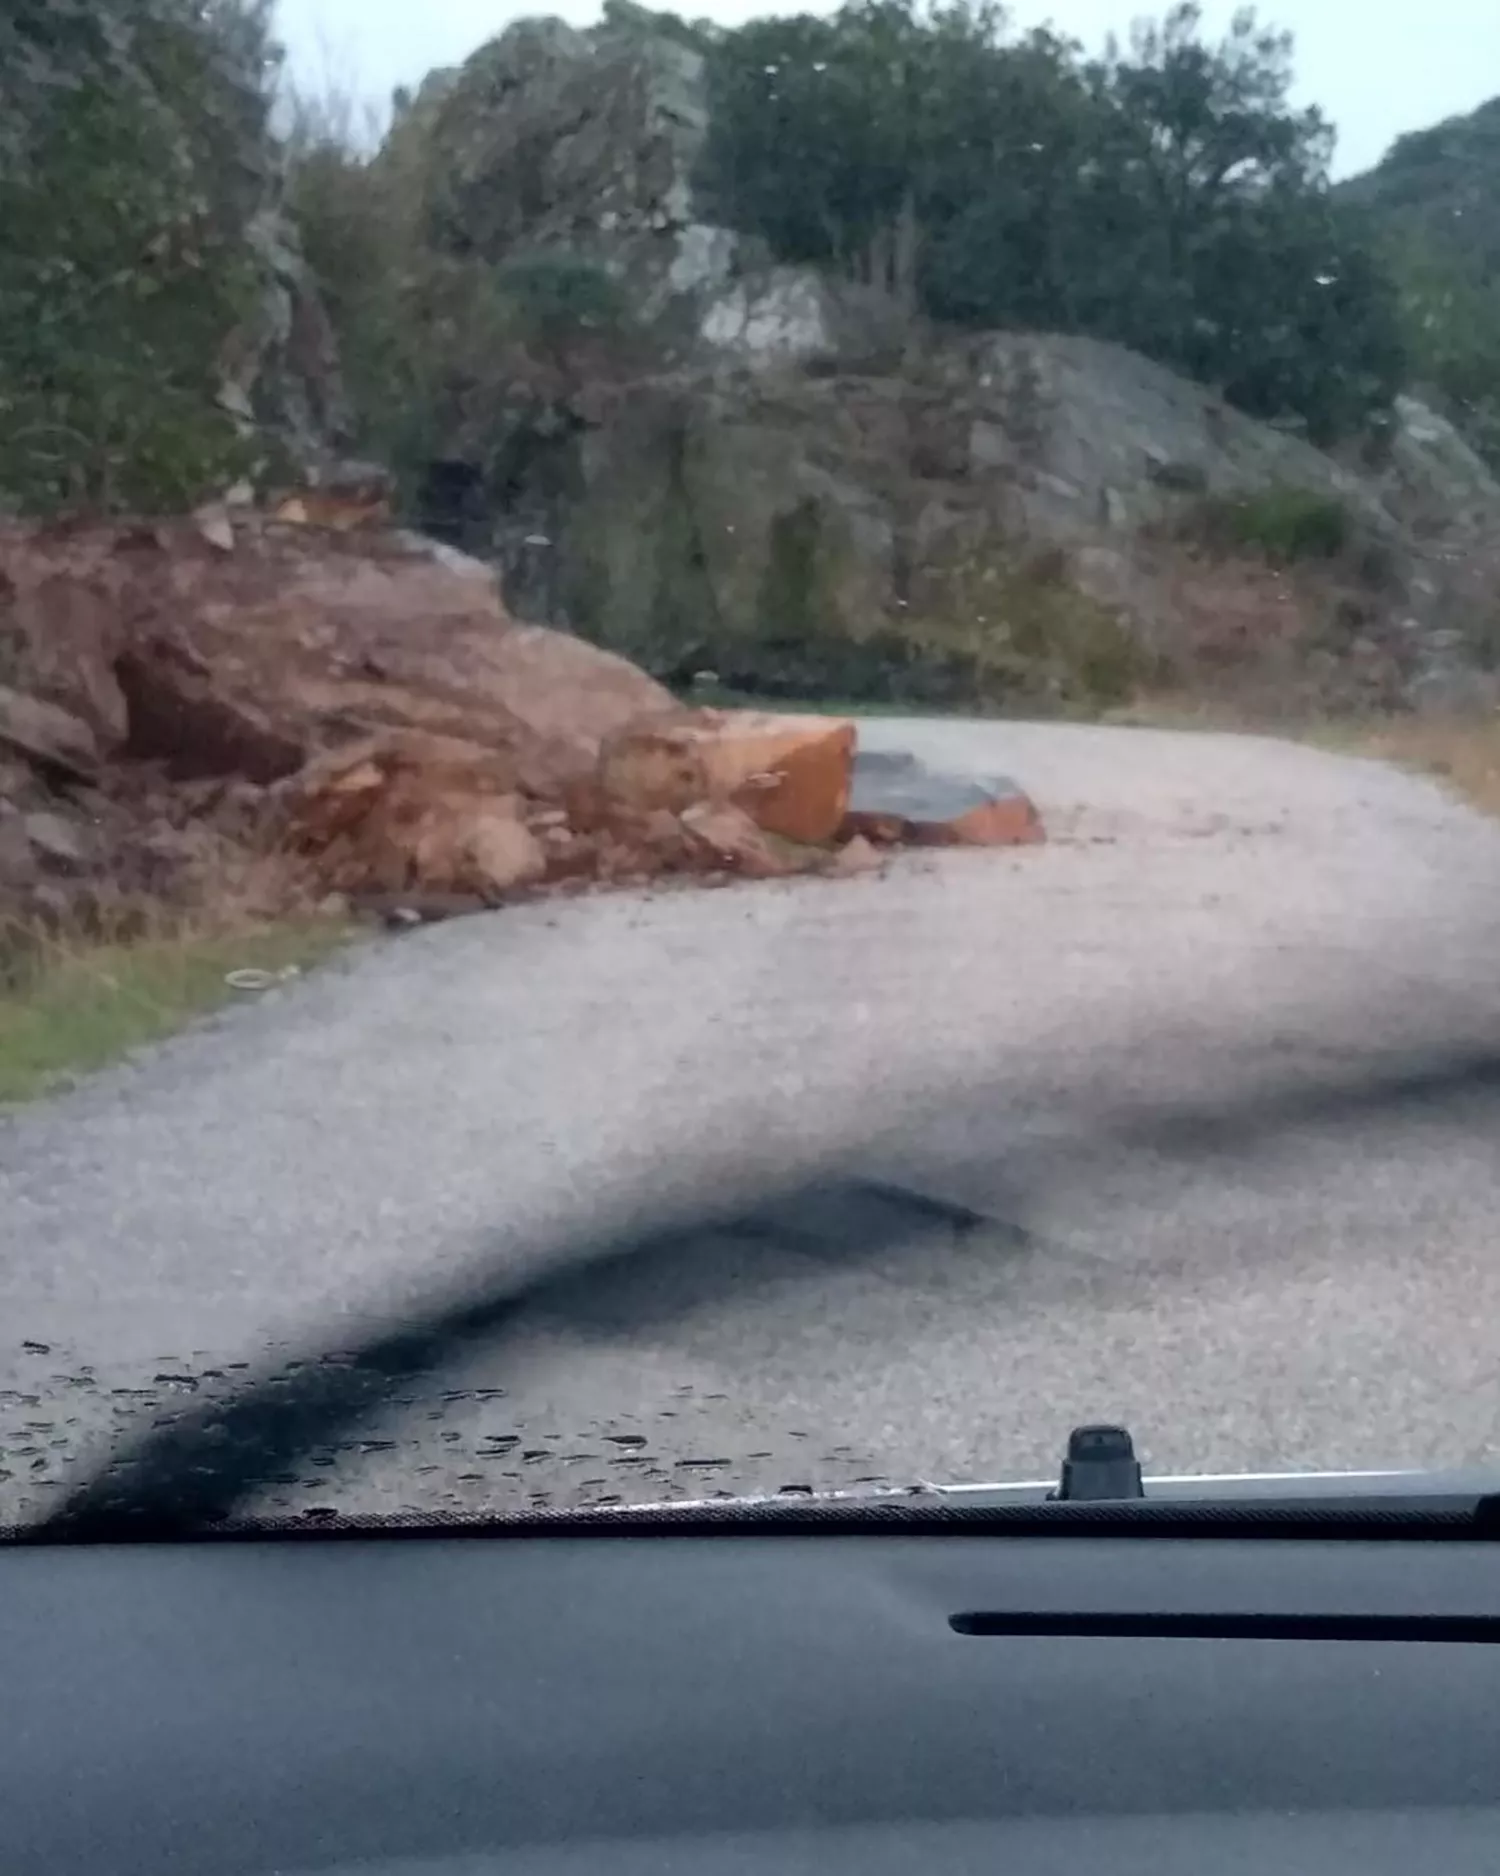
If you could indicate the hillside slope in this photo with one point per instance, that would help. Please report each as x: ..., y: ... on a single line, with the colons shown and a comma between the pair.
x: 160, y: 335
x: 1435, y: 198
x: 1443, y: 183
x: 712, y: 460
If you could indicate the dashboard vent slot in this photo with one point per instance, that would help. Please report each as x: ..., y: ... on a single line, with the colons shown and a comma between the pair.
x: 1470, y: 1630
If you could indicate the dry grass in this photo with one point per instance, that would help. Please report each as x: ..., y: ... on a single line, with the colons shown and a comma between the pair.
x: 1173, y: 710
x: 1461, y: 751
x: 70, y: 1004
x: 1464, y: 752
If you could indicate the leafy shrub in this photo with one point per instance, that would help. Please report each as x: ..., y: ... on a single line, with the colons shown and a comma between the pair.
x: 1283, y: 524
x: 1033, y: 635
x: 555, y: 297
x: 133, y: 152
x: 1170, y: 196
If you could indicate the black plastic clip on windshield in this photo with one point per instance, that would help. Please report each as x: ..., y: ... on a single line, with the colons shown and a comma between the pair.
x: 1101, y: 1463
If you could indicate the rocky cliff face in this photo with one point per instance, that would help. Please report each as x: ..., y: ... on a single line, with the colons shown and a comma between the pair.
x: 787, y: 486
x: 551, y: 139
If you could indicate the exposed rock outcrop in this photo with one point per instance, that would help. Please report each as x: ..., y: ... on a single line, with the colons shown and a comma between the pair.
x: 279, y: 376
x: 553, y: 140
x: 549, y: 137
x: 790, y: 483
x: 1027, y: 519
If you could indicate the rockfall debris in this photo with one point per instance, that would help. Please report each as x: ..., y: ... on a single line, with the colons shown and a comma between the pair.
x: 266, y: 714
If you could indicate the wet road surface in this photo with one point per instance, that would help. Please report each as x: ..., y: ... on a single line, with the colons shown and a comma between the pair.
x: 1189, y: 1118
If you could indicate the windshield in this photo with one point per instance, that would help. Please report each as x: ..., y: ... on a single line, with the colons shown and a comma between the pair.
x: 743, y: 755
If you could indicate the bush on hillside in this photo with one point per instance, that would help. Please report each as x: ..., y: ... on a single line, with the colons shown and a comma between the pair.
x: 134, y: 152
x: 1283, y: 525
x: 1168, y: 196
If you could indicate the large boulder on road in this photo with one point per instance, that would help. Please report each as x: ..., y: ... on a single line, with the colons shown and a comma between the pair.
x: 789, y: 774
x: 185, y: 673
x: 297, y: 640
x: 356, y: 708
x: 895, y: 799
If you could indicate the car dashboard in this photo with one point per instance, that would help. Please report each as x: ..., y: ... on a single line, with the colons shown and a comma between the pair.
x: 951, y: 1694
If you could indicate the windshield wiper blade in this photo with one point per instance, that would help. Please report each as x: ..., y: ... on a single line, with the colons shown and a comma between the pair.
x: 193, y: 1473
x: 1101, y: 1494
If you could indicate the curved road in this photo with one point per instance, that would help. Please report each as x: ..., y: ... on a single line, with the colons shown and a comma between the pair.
x: 1188, y: 1118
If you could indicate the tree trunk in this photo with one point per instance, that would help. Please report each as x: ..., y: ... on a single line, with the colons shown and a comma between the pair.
x: 878, y: 260
x: 906, y: 244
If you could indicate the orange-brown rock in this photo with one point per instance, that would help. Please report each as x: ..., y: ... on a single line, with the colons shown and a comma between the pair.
x: 726, y: 837
x: 64, y: 605
x: 897, y: 800
x: 175, y: 714
x: 340, y: 509
x: 373, y: 682
x: 855, y: 857
x: 230, y: 704
x: 406, y: 810
x: 340, y: 495
x: 317, y: 636
x: 1007, y: 821
x: 791, y: 775
x: 654, y: 766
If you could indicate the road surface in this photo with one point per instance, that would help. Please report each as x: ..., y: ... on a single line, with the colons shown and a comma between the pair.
x: 1188, y: 1118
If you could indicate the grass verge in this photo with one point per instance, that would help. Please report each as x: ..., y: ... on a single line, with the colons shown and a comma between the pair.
x: 72, y: 1006
x: 1463, y: 753
x: 721, y: 697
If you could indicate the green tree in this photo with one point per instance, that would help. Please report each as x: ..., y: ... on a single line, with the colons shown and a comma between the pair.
x: 1451, y: 316
x: 1013, y: 242
x: 445, y: 345
x: 1436, y: 200
x: 1442, y: 185
x: 1193, y: 135
x: 1296, y: 316
x: 842, y: 140
x: 135, y: 150
x: 1167, y: 195
x: 1227, y: 255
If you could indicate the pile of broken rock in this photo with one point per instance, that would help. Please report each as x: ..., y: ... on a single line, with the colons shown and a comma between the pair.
x: 249, y: 710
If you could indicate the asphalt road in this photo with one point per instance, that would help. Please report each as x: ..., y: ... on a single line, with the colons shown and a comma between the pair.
x: 1189, y: 1118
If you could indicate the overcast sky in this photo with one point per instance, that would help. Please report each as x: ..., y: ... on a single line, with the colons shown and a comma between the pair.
x: 1377, y: 67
